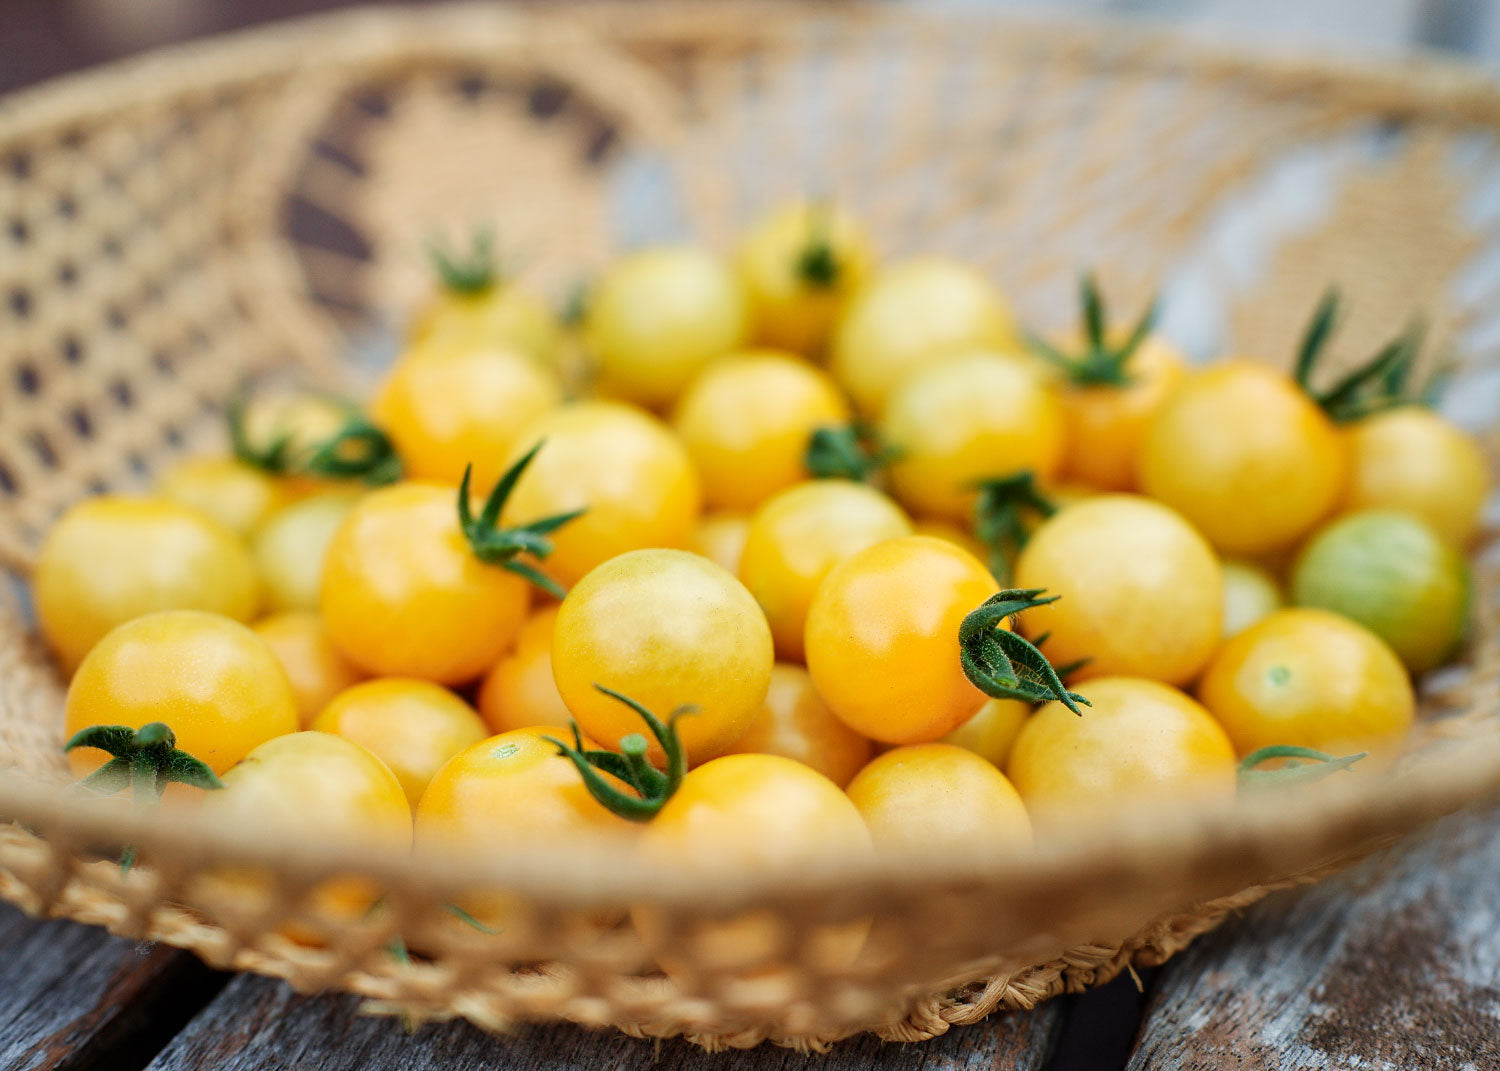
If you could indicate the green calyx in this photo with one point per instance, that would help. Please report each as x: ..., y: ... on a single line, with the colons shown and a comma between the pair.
x: 1306, y: 765
x: 1099, y: 364
x: 817, y: 264
x: 851, y: 452
x: 653, y: 787
x: 144, y: 760
x: 358, y: 450
x: 471, y: 273
x: 1002, y: 663
x: 1381, y: 382
x: 1001, y: 512
x: 495, y: 545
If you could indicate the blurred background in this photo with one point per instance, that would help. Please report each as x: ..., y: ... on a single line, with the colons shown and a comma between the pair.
x: 42, y: 38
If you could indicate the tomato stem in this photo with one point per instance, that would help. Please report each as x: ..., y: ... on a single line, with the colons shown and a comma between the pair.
x: 1002, y: 663
x: 495, y: 545
x: 1382, y: 381
x: 852, y: 452
x: 357, y: 450
x: 653, y: 787
x: 471, y: 273
x: 1099, y: 364
x: 1307, y: 765
x: 1000, y: 515
x: 817, y: 264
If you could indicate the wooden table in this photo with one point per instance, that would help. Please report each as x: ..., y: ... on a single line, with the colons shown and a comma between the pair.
x: 1395, y: 965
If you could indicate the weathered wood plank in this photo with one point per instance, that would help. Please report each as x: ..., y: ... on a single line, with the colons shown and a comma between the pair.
x: 1395, y: 965
x: 72, y: 997
x: 258, y: 1025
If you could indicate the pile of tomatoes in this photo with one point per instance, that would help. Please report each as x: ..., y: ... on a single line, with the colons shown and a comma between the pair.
x: 765, y: 553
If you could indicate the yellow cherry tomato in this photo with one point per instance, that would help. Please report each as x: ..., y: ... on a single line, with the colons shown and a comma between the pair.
x: 720, y: 537
x: 798, y: 535
x: 448, y: 409
x: 910, y: 314
x: 520, y: 690
x: 796, y: 723
x: 1139, y: 590
x: 294, y: 424
x: 291, y: 546
x: 1309, y: 678
x: 1241, y: 452
x: 800, y: 265
x: 215, y: 683
x: 1107, y: 423
x: 404, y: 595
x: 622, y: 465
x: 412, y: 726
x: 110, y: 559
x: 1250, y: 594
x: 315, y: 668
x: 992, y: 730
x: 658, y: 317
x: 1411, y: 459
x: 666, y: 628
x: 746, y: 422
x: 499, y: 314
x: 1140, y: 741
x: 882, y: 638
x: 237, y: 495
x: 937, y: 797
x: 963, y: 418
x: 952, y: 533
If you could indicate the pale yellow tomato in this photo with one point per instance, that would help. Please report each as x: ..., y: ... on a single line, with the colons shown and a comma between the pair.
x: 315, y: 668
x: 952, y: 533
x: 720, y: 537
x: 494, y: 313
x: 291, y: 546
x: 237, y: 495
x: 1250, y: 593
x: 992, y: 730
x: 795, y: 722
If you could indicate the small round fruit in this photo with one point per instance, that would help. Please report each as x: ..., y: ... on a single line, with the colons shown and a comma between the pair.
x: 213, y: 681
x: 291, y: 423
x: 1411, y: 459
x: 798, y: 535
x: 658, y: 317
x: 446, y: 410
x: 1107, y: 423
x: 795, y: 723
x: 666, y: 628
x: 412, y: 726
x: 404, y: 596
x: 1139, y: 591
x: 499, y: 315
x: 800, y: 265
x: 1394, y: 575
x: 882, y: 638
x: 937, y: 797
x: 623, y: 466
x: 291, y: 546
x: 992, y: 731
x: 965, y: 418
x: 720, y: 537
x: 911, y: 314
x: 315, y: 668
x: 520, y: 690
x: 1309, y: 678
x: 746, y: 422
x: 1139, y: 741
x: 951, y: 533
x: 1250, y: 594
x: 1242, y: 453
x: 237, y: 495
x: 110, y: 559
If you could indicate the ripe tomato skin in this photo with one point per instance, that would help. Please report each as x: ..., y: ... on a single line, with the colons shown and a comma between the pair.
x: 1309, y: 678
x: 413, y: 726
x: 109, y: 559
x: 797, y: 536
x: 315, y: 668
x: 882, y: 638
x: 1140, y: 740
x: 1139, y: 590
x: 666, y: 628
x: 503, y: 316
x: 658, y: 317
x: 1250, y: 594
x: 967, y: 417
x: 720, y: 537
x: 1244, y: 455
x: 623, y: 465
x: 237, y: 495
x: 403, y: 594
x: 446, y: 409
x: 519, y: 691
x: 992, y: 731
x: 1106, y: 424
x: 213, y: 681
x: 937, y: 797
x: 291, y: 546
x: 787, y: 309
x: 910, y: 314
x: 795, y: 723
x: 1411, y: 459
x: 951, y: 533
x: 746, y: 421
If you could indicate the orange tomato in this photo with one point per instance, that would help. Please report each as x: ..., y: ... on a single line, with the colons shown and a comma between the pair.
x: 795, y: 723
x: 520, y: 690
x: 1106, y: 424
x: 315, y: 668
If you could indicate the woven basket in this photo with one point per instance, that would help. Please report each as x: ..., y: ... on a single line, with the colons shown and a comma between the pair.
x: 257, y: 204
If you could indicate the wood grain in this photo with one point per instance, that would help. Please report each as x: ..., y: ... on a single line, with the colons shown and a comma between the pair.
x: 259, y: 1025
x: 1395, y: 965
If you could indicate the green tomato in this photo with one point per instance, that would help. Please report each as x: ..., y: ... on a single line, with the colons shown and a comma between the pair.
x: 1250, y: 593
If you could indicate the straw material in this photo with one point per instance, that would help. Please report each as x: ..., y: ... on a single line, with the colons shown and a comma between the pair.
x: 257, y: 207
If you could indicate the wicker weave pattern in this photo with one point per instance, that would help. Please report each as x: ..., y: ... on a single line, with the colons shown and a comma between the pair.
x: 170, y: 227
